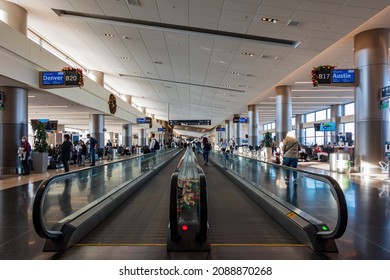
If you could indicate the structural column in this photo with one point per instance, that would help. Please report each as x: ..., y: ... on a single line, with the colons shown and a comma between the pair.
x: 237, y: 134
x: 227, y: 130
x: 253, y: 117
x: 283, y: 112
x: 97, y: 77
x: 336, y: 111
x: 96, y: 126
x: 14, y: 15
x: 13, y: 125
x: 371, y: 123
x: 299, y: 120
x: 142, y: 137
x: 127, y: 132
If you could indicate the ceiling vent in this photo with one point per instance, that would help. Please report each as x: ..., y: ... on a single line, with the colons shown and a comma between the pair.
x: 133, y: 2
x: 293, y: 23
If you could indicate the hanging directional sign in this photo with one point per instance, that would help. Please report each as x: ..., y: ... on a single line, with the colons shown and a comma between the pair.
x: 384, y: 104
x: 190, y: 122
x: 144, y: 120
x: 386, y: 92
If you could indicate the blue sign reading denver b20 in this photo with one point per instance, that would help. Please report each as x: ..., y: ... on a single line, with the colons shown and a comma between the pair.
x: 53, y: 78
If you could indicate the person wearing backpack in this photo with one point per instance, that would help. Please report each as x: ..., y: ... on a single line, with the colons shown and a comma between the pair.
x: 154, y: 144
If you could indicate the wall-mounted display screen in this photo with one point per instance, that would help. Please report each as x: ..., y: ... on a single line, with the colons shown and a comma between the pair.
x: 328, y: 126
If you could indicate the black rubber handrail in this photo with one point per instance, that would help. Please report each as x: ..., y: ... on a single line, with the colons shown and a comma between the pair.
x: 37, y: 211
x: 342, y: 217
x: 203, y: 213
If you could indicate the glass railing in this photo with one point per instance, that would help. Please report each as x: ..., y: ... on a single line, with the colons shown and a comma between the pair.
x: 64, y: 197
x: 317, y: 198
x: 188, y: 203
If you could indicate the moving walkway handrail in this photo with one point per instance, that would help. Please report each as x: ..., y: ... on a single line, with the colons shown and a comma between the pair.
x: 43, y: 189
x: 337, y: 192
x: 37, y: 213
x: 203, y: 217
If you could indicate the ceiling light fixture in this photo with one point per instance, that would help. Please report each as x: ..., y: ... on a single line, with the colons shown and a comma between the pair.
x: 317, y: 90
x: 108, y: 35
x: 125, y: 57
x: 248, y: 54
x: 133, y: 2
x: 174, y: 28
x: 236, y: 73
x: 273, y: 20
x: 50, y: 106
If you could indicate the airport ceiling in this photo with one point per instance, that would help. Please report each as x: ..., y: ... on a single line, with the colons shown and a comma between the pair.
x: 207, y: 59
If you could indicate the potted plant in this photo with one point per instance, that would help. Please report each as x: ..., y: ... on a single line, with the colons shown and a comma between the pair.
x: 268, y: 144
x: 40, y: 154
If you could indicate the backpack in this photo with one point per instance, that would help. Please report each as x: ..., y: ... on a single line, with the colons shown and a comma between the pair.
x: 156, y: 145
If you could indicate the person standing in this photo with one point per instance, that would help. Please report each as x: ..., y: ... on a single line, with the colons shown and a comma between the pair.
x: 206, y: 150
x: 291, y: 149
x: 83, y: 153
x: 92, y: 147
x: 154, y: 145
x: 26, y: 155
x: 66, y: 149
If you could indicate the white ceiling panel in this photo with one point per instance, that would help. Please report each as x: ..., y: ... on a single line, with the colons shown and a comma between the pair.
x: 160, y: 64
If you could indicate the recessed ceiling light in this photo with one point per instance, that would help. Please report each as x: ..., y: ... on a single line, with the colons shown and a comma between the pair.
x: 229, y: 86
x: 236, y: 73
x: 248, y: 53
x: 108, y: 35
x: 31, y: 96
x: 158, y: 62
x: 125, y: 57
x: 273, y: 20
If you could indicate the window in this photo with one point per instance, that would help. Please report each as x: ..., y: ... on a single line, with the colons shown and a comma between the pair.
x: 310, y: 136
x: 321, y: 115
x: 349, y: 109
x: 293, y: 121
x: 310, y: 117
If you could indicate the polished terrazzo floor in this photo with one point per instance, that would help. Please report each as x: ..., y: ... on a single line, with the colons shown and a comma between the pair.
x: 367, y: 236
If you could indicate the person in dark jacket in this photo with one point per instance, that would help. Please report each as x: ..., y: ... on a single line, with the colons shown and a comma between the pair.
x: 92, y: 149
x: 26, y: 155
x: 66, y: 149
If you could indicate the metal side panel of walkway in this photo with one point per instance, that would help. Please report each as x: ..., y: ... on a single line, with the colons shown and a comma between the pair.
x: 239, y: 229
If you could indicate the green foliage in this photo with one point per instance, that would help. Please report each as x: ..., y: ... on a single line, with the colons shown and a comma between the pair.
x: 268, y: 139
x: 40, y: 136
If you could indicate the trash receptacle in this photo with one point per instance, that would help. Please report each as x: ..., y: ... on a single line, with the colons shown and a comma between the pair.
x: 343, y: 163
x: 333, y: 162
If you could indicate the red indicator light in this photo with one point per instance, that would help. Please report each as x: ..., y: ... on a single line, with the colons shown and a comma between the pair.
x: 184, y: 227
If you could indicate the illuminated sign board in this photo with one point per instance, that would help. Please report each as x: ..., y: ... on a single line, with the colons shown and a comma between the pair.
x: 386, y: 92
x: 343, y: 76
x: 58, y: 79
x: 190, y: 122
x: 143, y: 120
x: 161, y: 129
x: 52, y: 78
x: 221, y: 129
